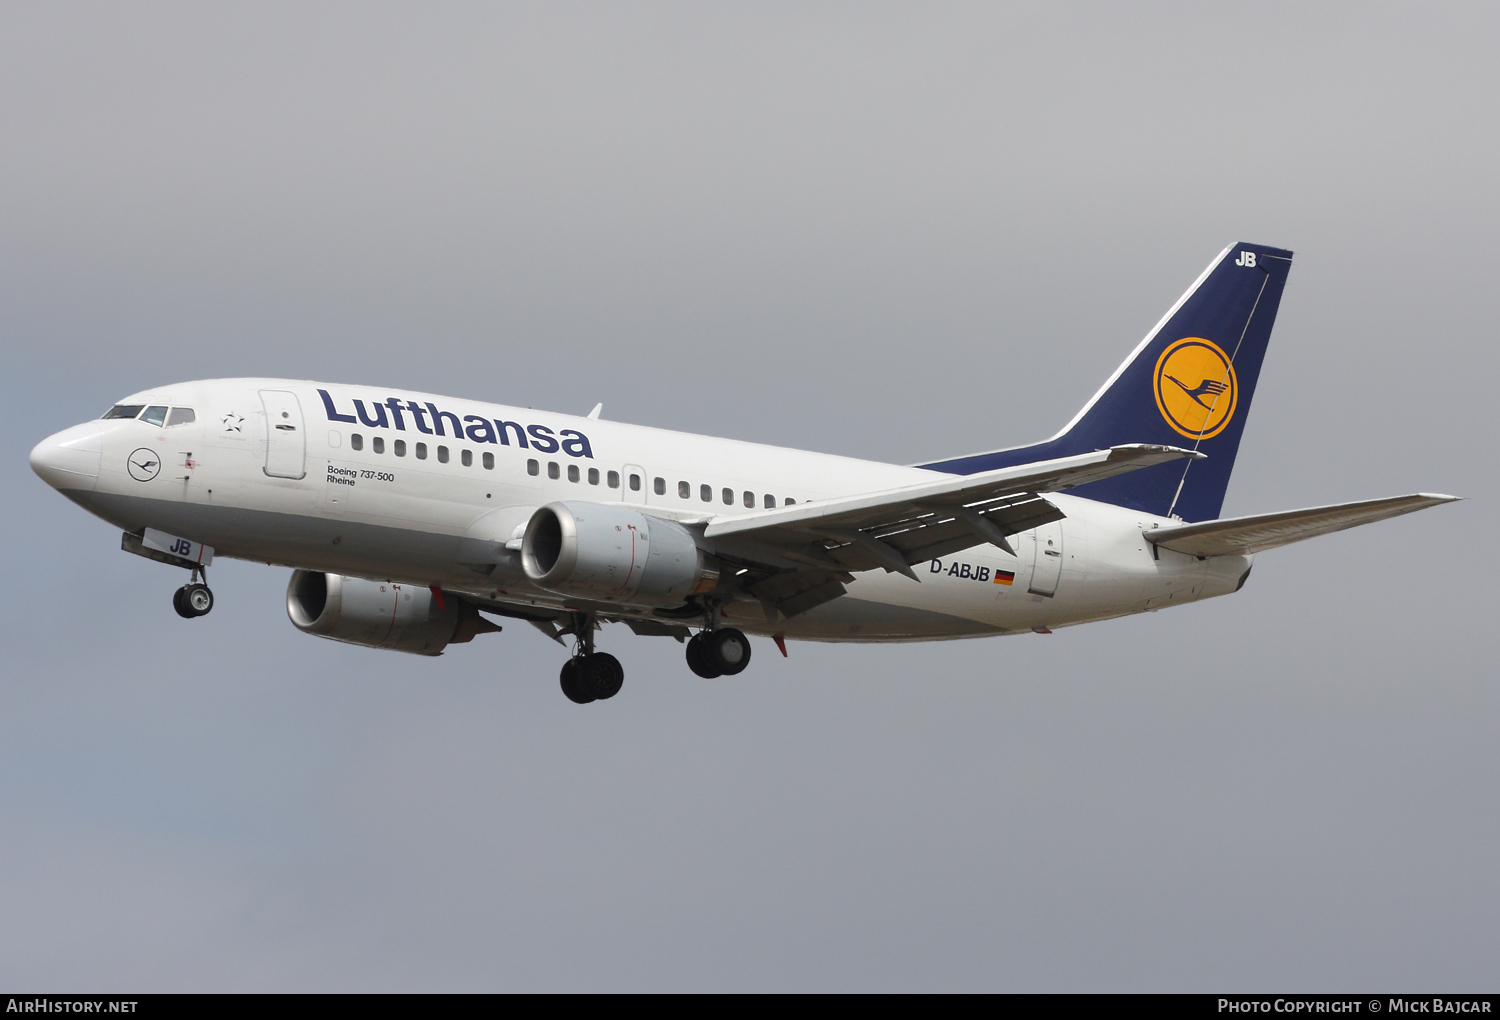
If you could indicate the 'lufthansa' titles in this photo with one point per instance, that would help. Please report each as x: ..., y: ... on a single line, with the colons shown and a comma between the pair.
x: 427, y: 419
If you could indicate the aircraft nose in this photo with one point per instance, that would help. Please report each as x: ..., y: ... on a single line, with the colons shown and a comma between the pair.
x: 69, y: 459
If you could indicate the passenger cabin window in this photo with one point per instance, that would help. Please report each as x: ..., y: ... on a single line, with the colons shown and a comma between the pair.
x: 770, y: 502
x: 728, y: 495
x: 635, y: 483
x: 552, y: 469
x: 593, y: 476
x: 421, y: 451
x: 533, y: 468
x: 398, y: 447
x: 789, y: 501
x: 377, y: 444
x: 660, y: 486
x: 181, y: 416
x: 124, y: 411
x: 467, y: 457
x: 572, y: 472
x: 613, y: 479
x: 489, y: 461
x: 442, y: 455
x: 684, y: 490
x: 356, y: 442
x: 155, y: 414
x: 706, y: 493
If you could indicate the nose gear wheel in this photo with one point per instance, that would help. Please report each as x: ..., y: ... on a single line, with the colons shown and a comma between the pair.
x: 194, y: 599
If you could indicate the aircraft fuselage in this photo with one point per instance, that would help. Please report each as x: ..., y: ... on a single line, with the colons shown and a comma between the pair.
x: 427, y: 491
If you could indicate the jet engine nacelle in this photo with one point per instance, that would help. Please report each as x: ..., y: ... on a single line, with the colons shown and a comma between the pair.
x: 611, y: 553
x: 380, y: 614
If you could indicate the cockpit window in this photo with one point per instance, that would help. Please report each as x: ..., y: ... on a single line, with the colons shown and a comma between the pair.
x: 124, y: 411
x: 155, y: 414
x: 181, y: 416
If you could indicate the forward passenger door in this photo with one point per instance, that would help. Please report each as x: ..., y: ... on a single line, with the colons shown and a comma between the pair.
x: 286, y: 440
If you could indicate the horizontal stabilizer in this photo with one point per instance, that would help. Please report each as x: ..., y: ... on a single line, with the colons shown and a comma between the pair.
x: 1244, y: 535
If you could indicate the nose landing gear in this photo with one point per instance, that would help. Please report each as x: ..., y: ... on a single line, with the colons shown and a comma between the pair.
x: 194, y: 598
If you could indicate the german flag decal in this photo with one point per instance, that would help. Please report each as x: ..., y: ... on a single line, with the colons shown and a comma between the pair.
x: 1004, y: 576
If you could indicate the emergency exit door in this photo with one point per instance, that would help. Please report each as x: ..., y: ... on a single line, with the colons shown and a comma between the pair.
x: 633, y: 481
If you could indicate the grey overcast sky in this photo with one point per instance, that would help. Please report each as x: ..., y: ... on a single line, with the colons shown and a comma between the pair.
x: 894, y: 231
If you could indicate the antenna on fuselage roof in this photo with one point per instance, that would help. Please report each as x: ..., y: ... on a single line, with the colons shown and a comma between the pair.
x: 597, y: 408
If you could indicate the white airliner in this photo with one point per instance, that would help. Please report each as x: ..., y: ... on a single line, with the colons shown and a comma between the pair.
x: 410, y: 518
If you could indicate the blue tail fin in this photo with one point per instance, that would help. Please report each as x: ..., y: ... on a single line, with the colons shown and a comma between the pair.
x: 1188, y: 384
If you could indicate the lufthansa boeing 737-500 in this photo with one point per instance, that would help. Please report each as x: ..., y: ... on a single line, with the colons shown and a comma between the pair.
x: 410, y: 520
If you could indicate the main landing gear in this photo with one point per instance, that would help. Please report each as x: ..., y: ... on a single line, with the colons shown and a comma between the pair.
x: 598, y: 676
x: 723, y: 651
x: 594, y: 677
x: 590, y: 675
x: 194, y: 598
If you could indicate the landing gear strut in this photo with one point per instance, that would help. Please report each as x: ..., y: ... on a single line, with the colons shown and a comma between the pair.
x: 194, y: 598
x: 590, y: 675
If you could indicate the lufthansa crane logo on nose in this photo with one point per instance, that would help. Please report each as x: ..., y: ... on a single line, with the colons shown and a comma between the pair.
x: 1196, y: 389
x: 143, y: 464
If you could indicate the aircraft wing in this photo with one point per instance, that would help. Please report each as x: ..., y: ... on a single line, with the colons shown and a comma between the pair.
x: 1245, y: 535
x: 811, y: 548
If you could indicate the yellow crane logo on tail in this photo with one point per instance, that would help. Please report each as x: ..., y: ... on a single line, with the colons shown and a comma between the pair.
x: 1195, y: 387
